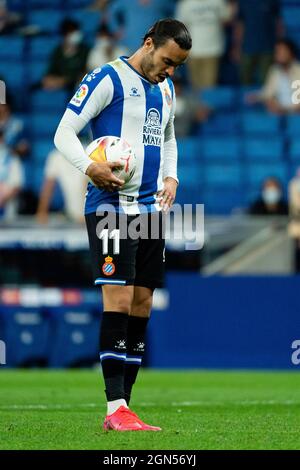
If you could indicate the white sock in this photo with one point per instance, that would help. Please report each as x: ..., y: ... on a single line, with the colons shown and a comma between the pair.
x: 112, y: 406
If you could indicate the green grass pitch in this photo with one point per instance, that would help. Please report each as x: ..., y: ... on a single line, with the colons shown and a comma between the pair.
x: 196, y: 409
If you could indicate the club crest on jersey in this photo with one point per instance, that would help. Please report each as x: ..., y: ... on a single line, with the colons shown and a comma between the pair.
x: 108, y: 268
x: 80, y: 95
x: 152, y: 128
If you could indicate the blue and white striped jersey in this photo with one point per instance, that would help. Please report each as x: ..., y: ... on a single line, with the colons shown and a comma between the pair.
x: 116, y: 100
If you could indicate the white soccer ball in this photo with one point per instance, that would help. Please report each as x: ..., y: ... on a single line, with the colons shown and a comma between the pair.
x: 113, y: 149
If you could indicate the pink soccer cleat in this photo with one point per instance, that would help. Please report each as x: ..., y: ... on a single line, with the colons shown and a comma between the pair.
x: 125, y: 420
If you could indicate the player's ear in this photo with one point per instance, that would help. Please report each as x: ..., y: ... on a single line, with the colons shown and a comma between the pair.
x: 148, y: 45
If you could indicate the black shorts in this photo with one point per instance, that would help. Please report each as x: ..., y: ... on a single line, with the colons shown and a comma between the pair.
x: 133, y: 255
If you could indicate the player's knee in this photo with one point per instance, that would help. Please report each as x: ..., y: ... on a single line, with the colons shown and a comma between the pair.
x: 142, y: 307
x: 117, y: 299
x: 122, y: 305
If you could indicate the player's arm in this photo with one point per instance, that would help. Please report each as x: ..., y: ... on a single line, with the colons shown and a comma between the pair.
x: 168, y: 193
x: 79, y: 113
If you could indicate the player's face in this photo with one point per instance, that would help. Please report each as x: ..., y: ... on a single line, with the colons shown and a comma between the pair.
x: 158, y: 64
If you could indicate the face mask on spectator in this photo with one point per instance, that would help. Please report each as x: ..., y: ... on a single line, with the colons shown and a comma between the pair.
x: 74, y: 38
x: 271, y: 195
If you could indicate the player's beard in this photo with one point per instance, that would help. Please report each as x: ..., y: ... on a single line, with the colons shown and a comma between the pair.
x: 147, y: 66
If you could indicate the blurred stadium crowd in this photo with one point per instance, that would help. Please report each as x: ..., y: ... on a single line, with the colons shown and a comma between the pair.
x: 236, y: 125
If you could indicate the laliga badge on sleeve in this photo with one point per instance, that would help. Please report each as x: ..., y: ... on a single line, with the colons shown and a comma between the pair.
x: 80, y: 95
x: 108, y: 267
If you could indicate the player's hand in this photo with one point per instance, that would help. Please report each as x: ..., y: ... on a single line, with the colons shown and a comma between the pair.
x: 168, y: 194
x: 102, y: 175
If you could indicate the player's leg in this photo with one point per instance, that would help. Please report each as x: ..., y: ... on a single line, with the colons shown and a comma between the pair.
x: 136, y: 336
x: 117, y: 301
x: 114, y: 325
x: 113, y: 269
x: 149, y: 275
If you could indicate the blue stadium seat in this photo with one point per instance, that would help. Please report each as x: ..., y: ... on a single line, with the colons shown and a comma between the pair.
x: 291, y: 16
x: 222, y: 201
x: 75, y: 337
x: 48, y: 20
x: 189, y: 175
x: 294, y: 150
x: 257, y: 173
x: 255, y: 122
x: 294, y: 35
x: 222, y: 175
x: 221, y: 149
x: 264, y: 149
x: 187, y: 194
x: 293, y: 125
x: 89, y: 20
x: 26, y: 331
x: 45, y: 3
x: 13, y: 74
x: 220, y: 123
x: 11, y: 48
x: 44, y: 125
x: 15, y: 5
x: 189, y: 150
x: 243, y: 94
x: 49, y: 100
x: 37, y: 178
x: 36, y: 69
x: 79, y: 3
x: 219, y: 97
x: 42, y: 47
x: 40, y: 150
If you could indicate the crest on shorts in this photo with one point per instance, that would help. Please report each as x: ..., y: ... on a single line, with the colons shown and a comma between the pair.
x: 108, y: 267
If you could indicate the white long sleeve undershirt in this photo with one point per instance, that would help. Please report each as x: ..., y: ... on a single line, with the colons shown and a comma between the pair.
x: 67, y: 142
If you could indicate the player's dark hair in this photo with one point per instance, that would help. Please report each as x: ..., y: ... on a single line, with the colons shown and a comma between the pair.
x: 166, y: 29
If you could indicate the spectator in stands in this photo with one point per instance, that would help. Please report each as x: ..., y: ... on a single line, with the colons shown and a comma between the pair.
x: 271, y: 201
x: 205, y: 20
x: 294, y: 212
x: 13, y: 130
x: 72, y: 183
x: 104, y: 50
x: 68, y: 61
x: 258, y: 27
x: 11, y: 180
x: 277, y: 91
x: 9, y: 21
x: 190, y: 113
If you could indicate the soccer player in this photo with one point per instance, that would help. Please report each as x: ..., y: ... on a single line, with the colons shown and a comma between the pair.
x: 132, y: 98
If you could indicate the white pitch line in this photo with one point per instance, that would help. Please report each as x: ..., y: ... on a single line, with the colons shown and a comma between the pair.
x: 146, y: 404
x: 48, y: 407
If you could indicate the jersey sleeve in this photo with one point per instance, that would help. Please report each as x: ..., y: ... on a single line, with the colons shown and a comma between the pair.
x: 94, y: 94
x: 170, y: 145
